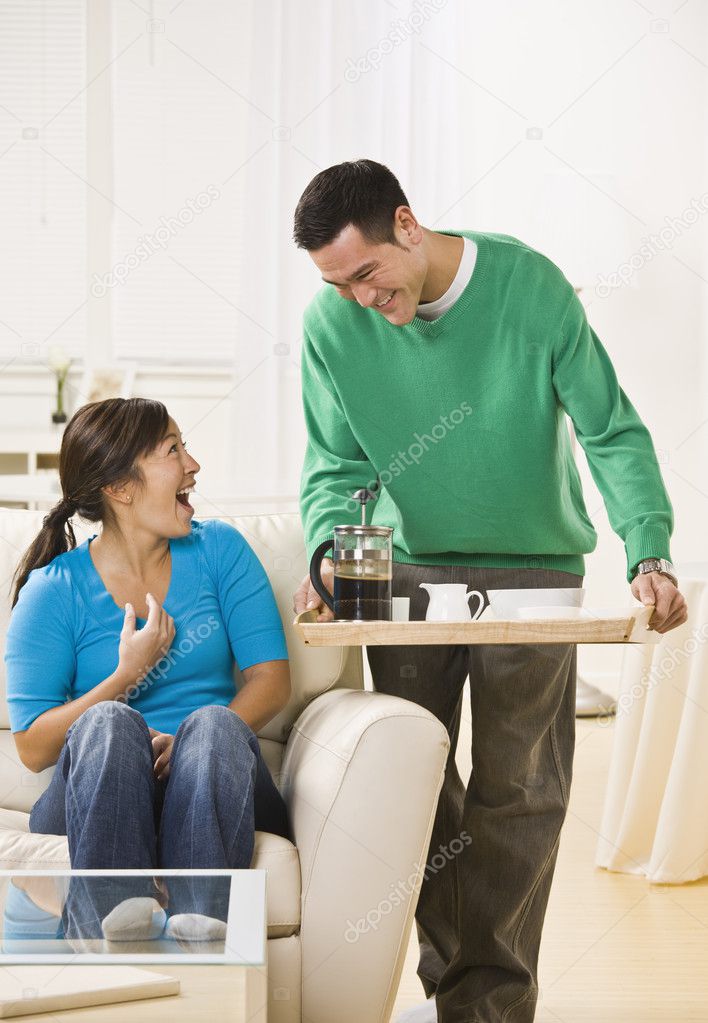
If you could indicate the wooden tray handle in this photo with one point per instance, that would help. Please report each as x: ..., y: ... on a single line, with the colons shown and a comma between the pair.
x: 306, y: 617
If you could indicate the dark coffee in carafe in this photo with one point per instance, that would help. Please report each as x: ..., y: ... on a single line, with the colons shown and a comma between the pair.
x: 361, y: 598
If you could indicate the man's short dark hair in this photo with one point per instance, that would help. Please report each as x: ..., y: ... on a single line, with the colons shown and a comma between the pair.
x: 361, y: 192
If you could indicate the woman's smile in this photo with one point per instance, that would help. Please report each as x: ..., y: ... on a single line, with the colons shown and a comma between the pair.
x: 183, y: 499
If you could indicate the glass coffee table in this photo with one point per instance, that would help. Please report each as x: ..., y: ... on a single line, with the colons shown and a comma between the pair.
x: 176, y: 944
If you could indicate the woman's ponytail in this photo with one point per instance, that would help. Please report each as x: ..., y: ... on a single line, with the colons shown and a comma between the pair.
x: 55, y: 537
x: 100, y: 447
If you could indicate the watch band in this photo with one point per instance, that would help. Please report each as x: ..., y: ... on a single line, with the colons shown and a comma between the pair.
x: 660, y: 565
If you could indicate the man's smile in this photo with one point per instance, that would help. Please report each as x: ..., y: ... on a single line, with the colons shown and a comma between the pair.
x: 387, y: 300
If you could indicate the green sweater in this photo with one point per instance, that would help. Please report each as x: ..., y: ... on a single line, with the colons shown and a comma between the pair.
x: 463, y: 421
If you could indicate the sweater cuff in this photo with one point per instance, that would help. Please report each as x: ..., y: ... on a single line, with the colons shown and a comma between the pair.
x: 646, y: 541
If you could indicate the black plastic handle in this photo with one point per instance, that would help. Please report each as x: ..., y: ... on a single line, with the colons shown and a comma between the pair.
x: 316, y: 575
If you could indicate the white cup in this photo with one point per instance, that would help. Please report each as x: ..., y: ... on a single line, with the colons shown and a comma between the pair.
x: 400, y: 609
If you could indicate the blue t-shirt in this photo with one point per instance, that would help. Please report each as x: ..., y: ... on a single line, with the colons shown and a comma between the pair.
x: 65, y: 630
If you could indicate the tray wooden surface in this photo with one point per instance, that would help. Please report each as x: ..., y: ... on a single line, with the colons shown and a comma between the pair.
x: 631, y: 627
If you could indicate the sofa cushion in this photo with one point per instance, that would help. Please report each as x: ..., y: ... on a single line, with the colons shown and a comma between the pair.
x: 22, y: 850
x: 19, y: 788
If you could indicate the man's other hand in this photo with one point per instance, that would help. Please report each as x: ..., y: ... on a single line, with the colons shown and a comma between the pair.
x: 670, y: 606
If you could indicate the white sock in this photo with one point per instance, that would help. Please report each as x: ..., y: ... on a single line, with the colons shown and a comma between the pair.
x: 195, y: 927
x: 425, y: 1013
x: 134, y: 920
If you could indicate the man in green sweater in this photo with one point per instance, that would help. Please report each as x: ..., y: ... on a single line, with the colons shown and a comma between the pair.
x: 442, y: 365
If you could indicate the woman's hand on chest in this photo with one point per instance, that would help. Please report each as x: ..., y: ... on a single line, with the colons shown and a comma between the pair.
x: 140, y: 649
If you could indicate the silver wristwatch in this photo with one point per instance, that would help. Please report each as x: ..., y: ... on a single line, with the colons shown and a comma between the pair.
x: 657, y: 565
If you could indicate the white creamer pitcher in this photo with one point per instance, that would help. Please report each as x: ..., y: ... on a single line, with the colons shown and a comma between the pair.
x: 449, y: 602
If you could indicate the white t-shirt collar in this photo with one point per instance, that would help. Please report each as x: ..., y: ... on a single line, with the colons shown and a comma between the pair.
x: 434, y: 310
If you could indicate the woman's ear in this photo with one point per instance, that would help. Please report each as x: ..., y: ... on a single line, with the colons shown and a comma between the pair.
x: 119, y: 493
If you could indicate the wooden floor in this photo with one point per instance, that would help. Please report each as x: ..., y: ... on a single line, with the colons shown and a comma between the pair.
x: 616, y: 949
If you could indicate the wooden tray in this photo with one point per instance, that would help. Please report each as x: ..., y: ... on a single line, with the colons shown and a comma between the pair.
x: 630, y: 628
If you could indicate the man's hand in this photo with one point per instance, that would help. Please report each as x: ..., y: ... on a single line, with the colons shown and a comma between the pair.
x: 306, y: 596
x: 655, y: 588
x: 161, y: 752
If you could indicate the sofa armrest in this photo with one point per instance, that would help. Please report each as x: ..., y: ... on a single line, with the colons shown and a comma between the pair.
x: 361, y: 777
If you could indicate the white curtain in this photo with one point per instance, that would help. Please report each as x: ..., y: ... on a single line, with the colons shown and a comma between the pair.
x: 329, y: 82
x: 180, y: 128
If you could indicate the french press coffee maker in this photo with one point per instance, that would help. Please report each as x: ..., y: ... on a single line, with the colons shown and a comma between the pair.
x: 363, y: 557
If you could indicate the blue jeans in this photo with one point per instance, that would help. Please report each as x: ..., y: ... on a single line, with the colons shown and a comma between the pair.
x: 104, y: 797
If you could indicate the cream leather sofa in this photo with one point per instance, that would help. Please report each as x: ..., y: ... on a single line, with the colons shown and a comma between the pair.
x: 360, y: 772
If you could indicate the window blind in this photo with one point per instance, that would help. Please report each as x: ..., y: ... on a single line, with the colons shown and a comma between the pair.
x: 42, y: 178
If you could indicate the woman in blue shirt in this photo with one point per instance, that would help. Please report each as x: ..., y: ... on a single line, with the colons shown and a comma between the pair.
x: 120, y: 657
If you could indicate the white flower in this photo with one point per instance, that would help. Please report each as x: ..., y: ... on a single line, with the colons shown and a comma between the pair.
x: 57, y: 359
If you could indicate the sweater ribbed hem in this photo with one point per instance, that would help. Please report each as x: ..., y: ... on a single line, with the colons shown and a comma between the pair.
x: 574, y: 563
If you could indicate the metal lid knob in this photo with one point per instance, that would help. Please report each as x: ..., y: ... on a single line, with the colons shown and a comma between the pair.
x: 363, y: 497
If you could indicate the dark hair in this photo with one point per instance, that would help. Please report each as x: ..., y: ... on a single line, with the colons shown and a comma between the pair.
x: 362, y: 192
x: 99, y: 448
